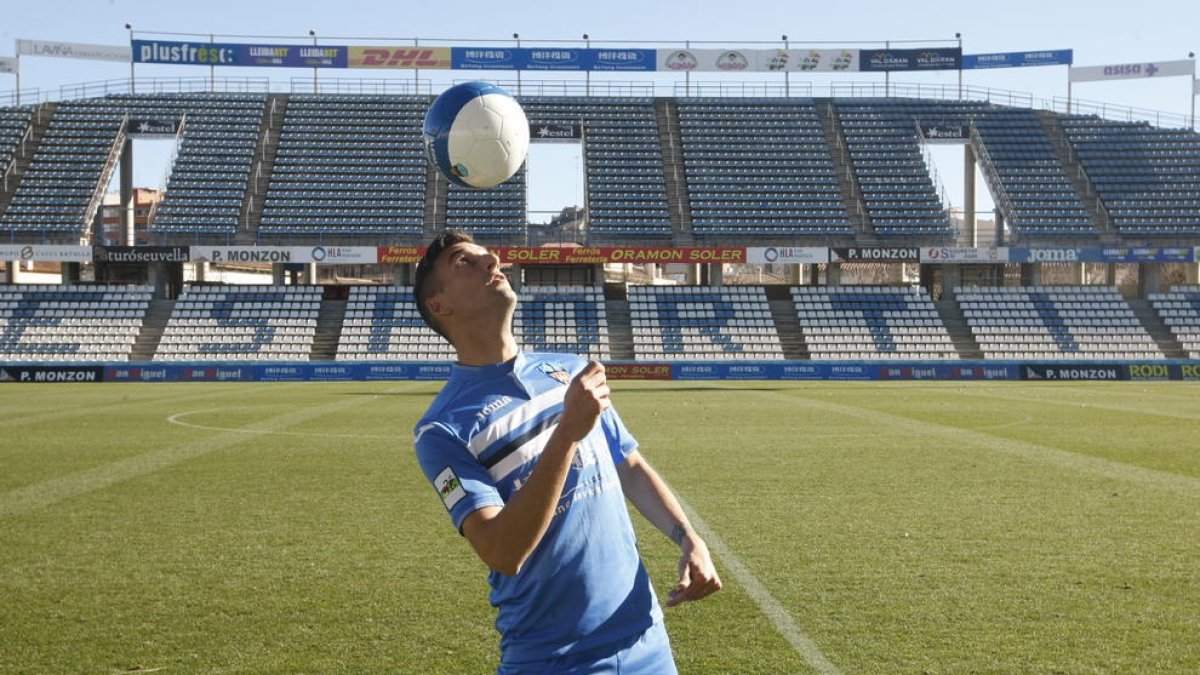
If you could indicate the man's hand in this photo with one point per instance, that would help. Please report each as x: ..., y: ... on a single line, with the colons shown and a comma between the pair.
x: 697, y: 576
x: 586, y: 398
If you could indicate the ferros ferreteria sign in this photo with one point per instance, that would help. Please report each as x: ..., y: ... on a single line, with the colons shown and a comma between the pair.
x: 584, y: 255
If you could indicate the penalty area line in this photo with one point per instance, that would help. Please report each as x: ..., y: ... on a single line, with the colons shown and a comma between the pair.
x: 770, y: 607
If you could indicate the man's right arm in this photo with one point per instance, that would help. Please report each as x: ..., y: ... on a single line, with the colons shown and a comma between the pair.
x: 504, y: 538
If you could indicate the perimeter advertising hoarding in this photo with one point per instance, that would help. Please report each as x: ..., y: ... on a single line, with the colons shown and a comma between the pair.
x: 141, y: 254
x: 50, y: 253
x: 946, y: 255
x: 43, y: 374
x: 716, y: 370
x: 238, y: 54
x: 1111, y: 254
x: 325, y: 255
x: 1047, y: 57
x: 889, y: 254
x: 804, y: 255
x: 598, y: 255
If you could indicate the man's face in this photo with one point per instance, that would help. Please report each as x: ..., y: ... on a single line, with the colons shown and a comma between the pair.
x: 471, y: 284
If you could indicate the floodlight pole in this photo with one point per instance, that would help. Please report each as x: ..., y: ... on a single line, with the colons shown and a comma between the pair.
x: 587, y: 74
x: 1195, y: 92
x: 517, y: 37
x: 787, y: 88
x: 958, y: 36
x: 316, y: 89
x: 132, y: 81
x: 212, y: 69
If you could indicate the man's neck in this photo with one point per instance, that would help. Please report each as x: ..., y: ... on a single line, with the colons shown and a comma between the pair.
x: 485, y: 348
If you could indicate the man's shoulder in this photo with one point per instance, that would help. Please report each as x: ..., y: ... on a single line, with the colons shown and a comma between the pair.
x: 571, y: 363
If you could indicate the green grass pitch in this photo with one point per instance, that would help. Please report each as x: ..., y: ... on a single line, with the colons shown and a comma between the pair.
x: 899, y: 527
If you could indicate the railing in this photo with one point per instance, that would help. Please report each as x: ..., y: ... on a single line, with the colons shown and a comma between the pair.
x: 110, y: 163
x: 992, y: 177
x: 661, y: 86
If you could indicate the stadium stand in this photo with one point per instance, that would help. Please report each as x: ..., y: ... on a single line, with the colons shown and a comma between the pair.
x: 884, y: 148
x: 1148, y: 178
x: 759, y: 168
x: 1180, y: 311
x: 62, y: 182
x: 241, y: 323
x: 348, y: 165
x: 568, y: 319
x: 690, y: 323
x: 13, y: 124
x: 1055, y: 322
x: 871, y: 323
x: 211, y: 169
x: 382, y: 324
x: 56, y: 323
x: 626, y: 185
x: 1041, y: 199
x: 493, y: 211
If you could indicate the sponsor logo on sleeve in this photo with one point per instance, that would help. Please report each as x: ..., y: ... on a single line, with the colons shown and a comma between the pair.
x: 449, y: 488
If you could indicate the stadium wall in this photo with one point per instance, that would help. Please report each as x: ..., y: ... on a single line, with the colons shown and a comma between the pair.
x: 739, y: 370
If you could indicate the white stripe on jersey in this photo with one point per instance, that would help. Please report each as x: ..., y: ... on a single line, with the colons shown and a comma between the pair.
x: 517, y: 458
x: 520, y: 416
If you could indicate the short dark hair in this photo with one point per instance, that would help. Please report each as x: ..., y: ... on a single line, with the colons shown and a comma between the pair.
x: 422, y: 288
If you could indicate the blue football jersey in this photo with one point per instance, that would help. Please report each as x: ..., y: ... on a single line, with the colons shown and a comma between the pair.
x: 584, y: 586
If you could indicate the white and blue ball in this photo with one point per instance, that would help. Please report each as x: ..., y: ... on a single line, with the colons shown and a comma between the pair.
x: 476, y: 135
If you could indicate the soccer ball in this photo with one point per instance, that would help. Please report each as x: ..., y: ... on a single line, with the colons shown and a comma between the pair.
x: 476, y: 135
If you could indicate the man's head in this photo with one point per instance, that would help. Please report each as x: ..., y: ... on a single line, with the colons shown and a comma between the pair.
x: 459, y: 282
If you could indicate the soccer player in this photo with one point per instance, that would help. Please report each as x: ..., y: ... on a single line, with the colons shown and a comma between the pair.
x: 534, y: 465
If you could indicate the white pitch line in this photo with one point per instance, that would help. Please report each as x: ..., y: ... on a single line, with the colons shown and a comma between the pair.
x: 770, y: 607
x: 177, y: 419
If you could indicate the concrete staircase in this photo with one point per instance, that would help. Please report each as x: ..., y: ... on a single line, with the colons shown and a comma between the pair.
x: 28, y: 146
x: 261, y: 169
x: 679, y: 204
x: 787, y: 324
x: 958, y: 329
x: 620, y: 327
x: 329, y: 330
x: 157, y: 316
x: 1078, y: 177
x: 852, y: 197
x: 1158, y: 330
x: 437, y: 201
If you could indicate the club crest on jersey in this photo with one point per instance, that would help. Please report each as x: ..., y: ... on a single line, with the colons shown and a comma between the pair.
x: 555, y: 370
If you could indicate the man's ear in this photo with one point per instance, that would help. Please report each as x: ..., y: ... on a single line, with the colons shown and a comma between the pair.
x: 437, y: 306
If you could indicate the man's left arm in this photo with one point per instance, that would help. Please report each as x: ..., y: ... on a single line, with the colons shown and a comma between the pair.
x: 650, y: 494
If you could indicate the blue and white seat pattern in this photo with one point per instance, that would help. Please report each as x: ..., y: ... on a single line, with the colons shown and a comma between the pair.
x: 871, y: 322
x: 690, y: 323
x: 53, y: 323
x: 382, y: 324
x: 1180, y: 312
x: 242, y: 323
x: 1055, y: 323
x: 570, y: 319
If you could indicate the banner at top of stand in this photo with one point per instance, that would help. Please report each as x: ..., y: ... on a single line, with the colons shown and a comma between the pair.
x: 73, y: 50
x: 236, y: 54
x: 1050, y: 57
x: 8, y: 64
x: 879, y: 60
x: 551, y: 58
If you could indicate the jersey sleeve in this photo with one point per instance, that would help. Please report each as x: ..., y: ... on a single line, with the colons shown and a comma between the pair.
x: 621, y: 443
x: 460, y: 481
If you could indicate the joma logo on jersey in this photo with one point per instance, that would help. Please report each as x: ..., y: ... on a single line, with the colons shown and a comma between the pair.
x: 377, y: 57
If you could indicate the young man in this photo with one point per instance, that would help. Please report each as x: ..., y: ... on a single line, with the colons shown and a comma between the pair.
x: 534, y: 465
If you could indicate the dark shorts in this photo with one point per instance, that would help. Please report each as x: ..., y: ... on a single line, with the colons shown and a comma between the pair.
x: 646, y: 654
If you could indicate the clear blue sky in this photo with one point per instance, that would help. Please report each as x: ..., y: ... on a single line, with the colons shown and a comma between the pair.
x: 1100, y: 32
